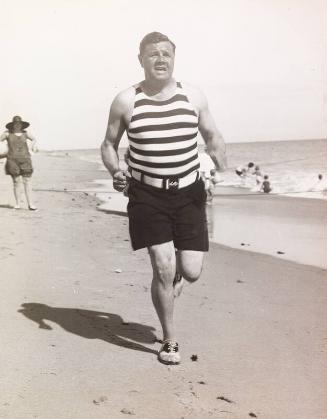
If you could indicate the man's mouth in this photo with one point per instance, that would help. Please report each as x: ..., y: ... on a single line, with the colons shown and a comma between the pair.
x: 160, y: 68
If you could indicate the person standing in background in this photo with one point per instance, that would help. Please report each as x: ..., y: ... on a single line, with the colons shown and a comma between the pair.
x: 19, y: 162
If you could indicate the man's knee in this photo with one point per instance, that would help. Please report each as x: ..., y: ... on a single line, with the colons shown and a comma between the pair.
x: 163, y: 263
x: 190, y: 264
x: 164, y: 271
x: 192, y: 275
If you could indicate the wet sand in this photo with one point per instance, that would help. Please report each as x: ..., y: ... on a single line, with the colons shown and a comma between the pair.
x: 288, y: 228
x: 78, y: 329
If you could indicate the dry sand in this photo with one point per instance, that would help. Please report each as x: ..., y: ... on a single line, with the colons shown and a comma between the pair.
x: 78, y: 338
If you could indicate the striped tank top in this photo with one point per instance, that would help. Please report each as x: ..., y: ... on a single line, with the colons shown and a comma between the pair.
x: 163, y: 136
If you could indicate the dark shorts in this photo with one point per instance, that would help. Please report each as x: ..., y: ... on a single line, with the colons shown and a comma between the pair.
x: 19, y: 167
x: 158, y: 216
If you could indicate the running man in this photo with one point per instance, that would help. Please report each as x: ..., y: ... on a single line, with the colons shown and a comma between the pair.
x: 166, y: 208
x: 19, y: 163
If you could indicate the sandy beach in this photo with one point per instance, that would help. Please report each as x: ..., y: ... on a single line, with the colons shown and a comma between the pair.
x: 79, y: 333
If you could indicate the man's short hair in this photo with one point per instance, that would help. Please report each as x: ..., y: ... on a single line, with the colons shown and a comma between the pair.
x: 154, y: 38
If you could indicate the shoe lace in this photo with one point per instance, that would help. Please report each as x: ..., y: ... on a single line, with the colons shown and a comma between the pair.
x: 171, y: 346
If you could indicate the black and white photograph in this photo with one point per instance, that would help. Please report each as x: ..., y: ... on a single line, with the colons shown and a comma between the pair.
x: 163, y: 209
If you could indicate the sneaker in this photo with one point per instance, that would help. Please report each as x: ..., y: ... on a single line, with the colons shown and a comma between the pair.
x: 169, y: 353
x: 178, y: 284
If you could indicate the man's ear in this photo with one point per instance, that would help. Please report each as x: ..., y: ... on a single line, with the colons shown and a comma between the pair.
x: 140, y: 59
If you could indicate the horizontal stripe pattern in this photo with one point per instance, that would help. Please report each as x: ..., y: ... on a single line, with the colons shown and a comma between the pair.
x: 163, y: 135
x: 161, y: 140
x: 168, y: 152
x: 164, y: 173
x: 182, y: 157
x: 146, y: 101
x: 160, y: 164
x: 162, y: 114
x: 180, y: 105
x: 162, y: 127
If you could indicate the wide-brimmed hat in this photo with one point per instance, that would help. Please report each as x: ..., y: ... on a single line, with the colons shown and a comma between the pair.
x: 17, y: 119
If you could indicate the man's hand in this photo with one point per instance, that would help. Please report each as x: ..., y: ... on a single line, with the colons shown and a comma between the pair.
x: 119, y: 180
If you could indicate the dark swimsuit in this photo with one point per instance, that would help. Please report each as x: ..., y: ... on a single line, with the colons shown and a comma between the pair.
x: 19, y: 161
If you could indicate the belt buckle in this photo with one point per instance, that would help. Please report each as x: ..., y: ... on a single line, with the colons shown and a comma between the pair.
x: 173, y: 183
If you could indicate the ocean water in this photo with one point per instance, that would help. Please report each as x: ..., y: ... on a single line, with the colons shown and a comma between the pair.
x: 292, y: 166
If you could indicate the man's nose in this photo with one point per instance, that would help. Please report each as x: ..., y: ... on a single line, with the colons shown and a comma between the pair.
x: 160, y: 57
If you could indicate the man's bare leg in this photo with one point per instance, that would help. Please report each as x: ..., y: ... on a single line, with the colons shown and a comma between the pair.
x: 28, y: 192
x: 164, y: 259
x: 178, y: 280
x: 189, y: 263
x: 164, y: 268
x: 162, y: 292
x: 189, y: 266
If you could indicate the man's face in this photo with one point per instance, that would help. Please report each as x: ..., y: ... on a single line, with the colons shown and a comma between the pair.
x: 157, y: 61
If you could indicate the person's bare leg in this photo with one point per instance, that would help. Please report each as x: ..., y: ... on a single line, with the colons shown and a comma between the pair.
x: 17, y: 184
x: 178, y: 280
x: 28, y: 192
x: 189, y: 264
x: 163, y: 261
x: 162, y: 292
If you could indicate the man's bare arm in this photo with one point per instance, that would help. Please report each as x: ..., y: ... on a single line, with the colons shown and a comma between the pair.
x: 214, y: 141
x: 216, y: 147
x: 115, y: 130
x: 116, y: 127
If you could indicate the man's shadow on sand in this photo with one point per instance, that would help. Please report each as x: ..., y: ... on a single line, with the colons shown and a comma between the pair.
x: 92, y: 325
